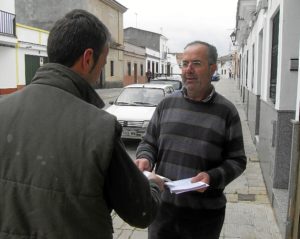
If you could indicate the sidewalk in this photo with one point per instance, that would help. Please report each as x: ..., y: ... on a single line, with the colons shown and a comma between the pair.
x: 249, y: 214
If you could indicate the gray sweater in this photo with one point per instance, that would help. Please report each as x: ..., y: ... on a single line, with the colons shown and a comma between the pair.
x: 185, y: 137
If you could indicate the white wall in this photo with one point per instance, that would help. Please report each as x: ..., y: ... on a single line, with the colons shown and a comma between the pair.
x: 256, y: 37
x: 7, y: 54
x: 289, y: 48
x: 152, y: 56
x: 260, y: 26
x: 298, y: 91
x: 31, y: 41
x: 7, y: 6
x: 8, y: 67
x: 172, y: 59
x: 289, y: 32
x: 267, y: 43
x: 32, y: 35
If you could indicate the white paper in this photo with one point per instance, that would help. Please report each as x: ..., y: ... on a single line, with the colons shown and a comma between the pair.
x: 180, y: 186
x: 185, y: 185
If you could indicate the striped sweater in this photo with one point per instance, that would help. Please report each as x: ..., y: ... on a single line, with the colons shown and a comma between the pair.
x: 185, y: 137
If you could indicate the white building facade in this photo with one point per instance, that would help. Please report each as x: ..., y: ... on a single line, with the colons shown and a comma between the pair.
x: 266, y: 67
x: 22, y: 50
x: 157, y: 52
x: 8, y: 42
x: 153, y: 61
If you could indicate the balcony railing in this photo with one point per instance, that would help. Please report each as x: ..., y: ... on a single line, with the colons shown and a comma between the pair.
x: 7, y: 23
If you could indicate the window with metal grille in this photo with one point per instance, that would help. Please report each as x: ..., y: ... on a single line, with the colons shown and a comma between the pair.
x: 7, y: 23
x: 274, y: 58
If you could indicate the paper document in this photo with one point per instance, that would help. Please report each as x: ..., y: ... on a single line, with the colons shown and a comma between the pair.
x: 180, y: 186
x: 184, y: 185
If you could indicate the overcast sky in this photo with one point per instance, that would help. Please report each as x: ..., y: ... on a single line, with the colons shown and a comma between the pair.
x: 183, y: 21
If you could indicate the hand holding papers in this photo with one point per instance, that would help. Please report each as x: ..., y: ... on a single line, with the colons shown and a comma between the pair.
x: 185, y: 185
x: 180, y: 186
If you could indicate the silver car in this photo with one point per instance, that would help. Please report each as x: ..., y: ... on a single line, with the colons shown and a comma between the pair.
x: 135, y: 106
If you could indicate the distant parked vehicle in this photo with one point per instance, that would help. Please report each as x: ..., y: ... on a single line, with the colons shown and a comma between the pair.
x: 135, y: 106
x: 215, y: 76
x: 174, y: 80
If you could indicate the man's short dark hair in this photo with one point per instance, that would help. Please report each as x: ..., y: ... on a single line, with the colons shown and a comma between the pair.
x: 212, y: 51
x: 77, y: 31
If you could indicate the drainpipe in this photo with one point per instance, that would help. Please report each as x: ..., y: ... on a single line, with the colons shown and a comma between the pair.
x: 292, y: 223
x: 17, y: 64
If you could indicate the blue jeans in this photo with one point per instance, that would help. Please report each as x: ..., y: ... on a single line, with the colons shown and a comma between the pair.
x: 174, y: 222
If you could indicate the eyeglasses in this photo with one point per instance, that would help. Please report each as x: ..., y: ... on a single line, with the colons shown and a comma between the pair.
x: 195, y: 63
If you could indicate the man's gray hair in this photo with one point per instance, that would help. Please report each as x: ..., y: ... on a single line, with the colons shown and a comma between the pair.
x: 212, y: 51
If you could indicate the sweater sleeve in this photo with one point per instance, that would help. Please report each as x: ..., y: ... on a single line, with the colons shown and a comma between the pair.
x: 133, y: 197
x: 148, y: 145
x: 234, y: 158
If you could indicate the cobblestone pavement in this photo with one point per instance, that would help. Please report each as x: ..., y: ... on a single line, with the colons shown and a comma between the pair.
x: 249, y: 214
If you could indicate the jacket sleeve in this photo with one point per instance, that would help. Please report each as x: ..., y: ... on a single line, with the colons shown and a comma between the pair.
x: 133, y: 197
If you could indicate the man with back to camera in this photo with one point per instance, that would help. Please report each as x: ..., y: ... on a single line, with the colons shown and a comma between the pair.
x: 195, y: 133
x: 63, y: 167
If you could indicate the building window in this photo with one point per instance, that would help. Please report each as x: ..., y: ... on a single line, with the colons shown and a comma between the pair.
x: 129, y: 68
x: 153, y: 67
x: 247, y: 65
x: 156, y: 67
x: 142, y: 69
x: 253, y: 70
x: 148, y: 65
x: 111, y: 68
x: 135, y: 70
x: 274, y: 58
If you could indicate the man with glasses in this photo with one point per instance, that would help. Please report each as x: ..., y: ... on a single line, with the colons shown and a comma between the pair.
x: 195, y: 133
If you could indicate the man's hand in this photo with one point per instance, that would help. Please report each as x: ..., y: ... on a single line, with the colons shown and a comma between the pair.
x: 203, y: 177
x: 143, y: 164
x: 154, y: 178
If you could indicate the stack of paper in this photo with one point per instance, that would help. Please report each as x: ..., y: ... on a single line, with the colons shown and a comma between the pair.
x: 180, y: 186
x: 184, y: 185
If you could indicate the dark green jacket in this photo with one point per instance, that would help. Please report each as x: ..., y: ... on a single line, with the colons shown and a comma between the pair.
x: 63, y: 167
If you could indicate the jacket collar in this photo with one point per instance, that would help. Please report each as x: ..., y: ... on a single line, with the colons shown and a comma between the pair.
x: 63, y: 77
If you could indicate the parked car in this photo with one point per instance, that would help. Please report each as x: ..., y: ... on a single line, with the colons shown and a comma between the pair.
x: 135, y: 106
x: 215, y: 76
x: 175, y: 81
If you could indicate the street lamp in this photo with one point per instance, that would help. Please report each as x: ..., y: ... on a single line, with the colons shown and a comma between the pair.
x: 233, y: 37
